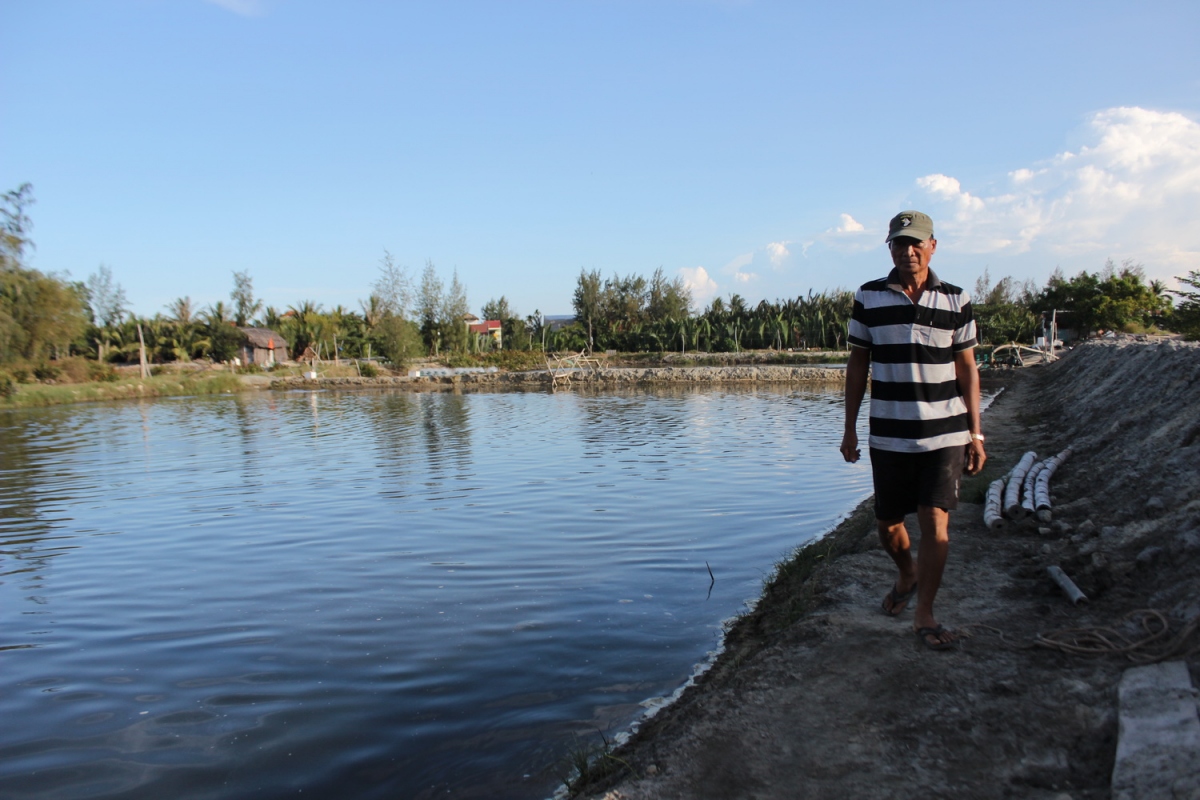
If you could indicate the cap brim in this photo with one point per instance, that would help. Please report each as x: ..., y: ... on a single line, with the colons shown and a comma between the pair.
x: 912, y: 233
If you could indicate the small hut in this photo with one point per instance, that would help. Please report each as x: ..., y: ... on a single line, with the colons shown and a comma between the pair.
x: 262, y: 346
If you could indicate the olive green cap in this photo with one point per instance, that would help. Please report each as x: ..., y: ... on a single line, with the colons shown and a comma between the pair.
x: 911, y: 223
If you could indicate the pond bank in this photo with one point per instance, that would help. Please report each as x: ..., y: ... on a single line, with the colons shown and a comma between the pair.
x: 204, y: 382
x: 604, y: 377
x: 175, y: 385
x: 818, y: 694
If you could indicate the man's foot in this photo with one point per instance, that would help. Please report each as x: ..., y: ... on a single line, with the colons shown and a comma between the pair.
x: 937, y: 638
x: 895, y: 600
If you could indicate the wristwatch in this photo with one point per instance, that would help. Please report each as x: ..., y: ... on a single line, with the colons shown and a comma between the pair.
x: 977, y: 436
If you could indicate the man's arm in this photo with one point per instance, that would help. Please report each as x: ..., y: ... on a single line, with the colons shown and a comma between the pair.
x: 857, y: 369
x: 967, y: 376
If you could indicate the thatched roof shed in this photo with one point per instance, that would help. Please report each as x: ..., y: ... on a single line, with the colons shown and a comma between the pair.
x: 263, y: 346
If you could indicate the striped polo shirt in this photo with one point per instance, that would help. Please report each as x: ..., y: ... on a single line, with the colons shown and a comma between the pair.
x: 916, y: 404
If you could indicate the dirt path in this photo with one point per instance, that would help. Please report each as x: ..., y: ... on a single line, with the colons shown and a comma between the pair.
x: 821, y: 695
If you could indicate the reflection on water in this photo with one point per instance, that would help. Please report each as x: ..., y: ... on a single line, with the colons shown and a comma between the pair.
x: 379, y: 595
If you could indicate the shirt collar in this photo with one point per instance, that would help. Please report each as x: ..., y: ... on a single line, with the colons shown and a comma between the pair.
x: 893, y: 280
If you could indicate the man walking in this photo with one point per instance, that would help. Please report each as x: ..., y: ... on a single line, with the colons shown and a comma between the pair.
x: 916, y: 335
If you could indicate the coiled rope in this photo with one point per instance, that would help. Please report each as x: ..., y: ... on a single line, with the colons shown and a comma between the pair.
x: 1156, y: 644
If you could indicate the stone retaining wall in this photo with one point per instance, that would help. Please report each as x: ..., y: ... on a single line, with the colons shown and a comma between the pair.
x: 830, y: 376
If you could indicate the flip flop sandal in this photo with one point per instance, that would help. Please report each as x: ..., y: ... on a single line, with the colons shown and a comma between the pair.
x: 936, y: 633
x: 896, y: 601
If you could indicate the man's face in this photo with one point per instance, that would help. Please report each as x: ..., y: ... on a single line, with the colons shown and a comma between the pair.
x: 911, y: 256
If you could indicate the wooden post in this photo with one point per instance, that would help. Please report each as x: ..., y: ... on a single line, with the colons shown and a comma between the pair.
x: 142, y: 353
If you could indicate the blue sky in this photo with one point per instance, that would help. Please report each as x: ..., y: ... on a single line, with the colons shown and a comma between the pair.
x: 750, y: 147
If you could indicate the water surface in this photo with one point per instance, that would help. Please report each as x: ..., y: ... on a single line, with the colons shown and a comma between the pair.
x: 377, y: 595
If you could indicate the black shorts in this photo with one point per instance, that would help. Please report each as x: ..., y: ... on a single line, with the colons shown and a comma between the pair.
x: 904, y: 481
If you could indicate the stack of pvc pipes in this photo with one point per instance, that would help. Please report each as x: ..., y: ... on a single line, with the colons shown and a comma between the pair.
x: 1023, y: 491
x: 1027, y: 488
x: 1016, y: 480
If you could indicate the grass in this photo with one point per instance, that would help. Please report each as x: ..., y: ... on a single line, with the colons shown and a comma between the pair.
x: 789, y: 592
x: 69, y: 381
x: 973, y: 488
x: 40, y: 395
x: 586, y: 764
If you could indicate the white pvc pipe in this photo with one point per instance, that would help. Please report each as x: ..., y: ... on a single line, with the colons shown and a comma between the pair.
x: 1027, y: 487
x: 1042, y: 488
x: 1067, y: 585
x: 993, y: 511
x: 1012, y: 495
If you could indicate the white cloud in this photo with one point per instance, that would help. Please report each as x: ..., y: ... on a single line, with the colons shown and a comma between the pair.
x: 245, y: 8
x: 737, y: 268
x: 848, y: 236
x: 950, y: 190
x: 700, y: 284
x: 848, y: 224
x: 1132, y: 191
x: 736, y: 264
x: 1019, y: 176
x: 777, y: 252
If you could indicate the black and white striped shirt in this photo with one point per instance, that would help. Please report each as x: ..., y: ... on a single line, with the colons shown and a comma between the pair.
x: 916, y: 404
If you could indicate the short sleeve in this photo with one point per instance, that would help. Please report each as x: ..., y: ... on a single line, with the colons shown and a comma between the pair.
x: 964, y: 328
x: 859, y: 334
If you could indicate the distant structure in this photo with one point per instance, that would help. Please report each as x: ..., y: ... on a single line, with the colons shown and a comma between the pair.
x: 556, y: 322
x: 489, y: 327
x: 262, y: 346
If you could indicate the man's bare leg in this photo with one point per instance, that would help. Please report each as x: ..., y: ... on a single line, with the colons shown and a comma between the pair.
x: 931, y: 561
x: 894, y: 538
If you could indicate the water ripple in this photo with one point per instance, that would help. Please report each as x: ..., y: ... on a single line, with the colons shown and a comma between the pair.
x: 379, y: 594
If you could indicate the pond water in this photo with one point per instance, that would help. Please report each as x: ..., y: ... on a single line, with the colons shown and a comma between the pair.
x: 380, y: 595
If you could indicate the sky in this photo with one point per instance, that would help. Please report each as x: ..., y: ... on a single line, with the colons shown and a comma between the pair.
x: 757, y: 148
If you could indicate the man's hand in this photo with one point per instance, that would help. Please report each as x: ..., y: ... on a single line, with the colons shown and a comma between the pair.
x: 850, y: 450
x: 975, y: 458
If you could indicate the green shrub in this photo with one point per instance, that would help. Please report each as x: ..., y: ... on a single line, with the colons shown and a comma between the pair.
x: 75, y: 369
x: 101, y: 372
x: 368, y: 369
x: 22, y: 374
x: 46, y: 371
x: 248, y: 369
x: 8, y: 384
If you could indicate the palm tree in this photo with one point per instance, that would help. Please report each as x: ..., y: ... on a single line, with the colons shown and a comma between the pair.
x: 305, y: 325
x: 222, y: 334
x: 271, y: 318
x: 181, y: 311
x: 180, y: 336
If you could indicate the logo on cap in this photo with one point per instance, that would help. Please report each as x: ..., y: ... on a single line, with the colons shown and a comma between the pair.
x: 905, y: 222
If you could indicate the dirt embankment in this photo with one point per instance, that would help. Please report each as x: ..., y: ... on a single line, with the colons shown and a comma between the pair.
x: 819, y: 695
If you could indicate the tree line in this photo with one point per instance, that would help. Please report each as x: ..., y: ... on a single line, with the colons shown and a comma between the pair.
x: 46, y: 316
x: 633, y: 314
x: 1116, y: 298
